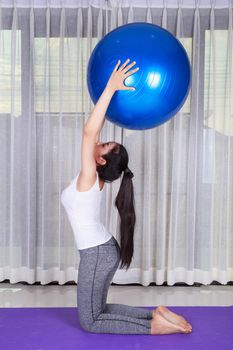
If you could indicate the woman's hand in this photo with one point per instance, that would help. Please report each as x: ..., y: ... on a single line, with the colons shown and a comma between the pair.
x: 116, y: 80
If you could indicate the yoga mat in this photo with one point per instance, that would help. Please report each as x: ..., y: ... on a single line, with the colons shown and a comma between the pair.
x: 59, y: 329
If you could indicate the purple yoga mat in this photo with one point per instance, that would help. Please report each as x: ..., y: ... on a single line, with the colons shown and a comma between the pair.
x: 59, y: 329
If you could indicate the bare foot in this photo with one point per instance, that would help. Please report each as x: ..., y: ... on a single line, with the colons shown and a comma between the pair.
x: 172, y: 317
x: 160, y: 325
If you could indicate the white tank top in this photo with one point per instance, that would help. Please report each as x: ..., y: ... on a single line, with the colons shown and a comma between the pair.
x: 83, y: 210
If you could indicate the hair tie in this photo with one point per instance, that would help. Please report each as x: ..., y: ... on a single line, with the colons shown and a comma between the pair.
x: 129, y: 172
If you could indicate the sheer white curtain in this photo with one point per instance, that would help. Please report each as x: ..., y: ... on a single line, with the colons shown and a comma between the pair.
x: 183, y: 169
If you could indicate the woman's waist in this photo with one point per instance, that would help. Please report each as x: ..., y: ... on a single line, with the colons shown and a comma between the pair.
x: 90, y: 229
x: 89, y: 223
x: 82, y: 222
x: 85, y: 219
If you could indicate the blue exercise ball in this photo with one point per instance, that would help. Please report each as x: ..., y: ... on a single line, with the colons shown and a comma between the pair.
x: 162, y: 82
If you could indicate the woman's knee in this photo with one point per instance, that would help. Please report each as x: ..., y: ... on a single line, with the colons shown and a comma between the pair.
x: 85, y: 320
x: 90, y: 327
x: 85, y: 325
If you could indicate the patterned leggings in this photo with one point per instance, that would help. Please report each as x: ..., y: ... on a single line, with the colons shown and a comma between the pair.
x: 96, y: 270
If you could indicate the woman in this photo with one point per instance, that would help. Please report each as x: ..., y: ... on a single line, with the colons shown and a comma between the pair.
x: 99, y: 251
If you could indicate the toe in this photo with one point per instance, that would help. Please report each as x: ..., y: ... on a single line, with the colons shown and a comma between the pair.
x: 160, y: 308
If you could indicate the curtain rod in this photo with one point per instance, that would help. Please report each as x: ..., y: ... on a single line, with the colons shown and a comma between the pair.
x: 116, y: 3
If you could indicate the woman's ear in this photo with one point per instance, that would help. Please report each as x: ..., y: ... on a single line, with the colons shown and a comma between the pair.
x: 101, y: 160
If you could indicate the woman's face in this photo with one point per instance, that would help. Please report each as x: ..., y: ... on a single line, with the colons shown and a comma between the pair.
x: 102, y: 148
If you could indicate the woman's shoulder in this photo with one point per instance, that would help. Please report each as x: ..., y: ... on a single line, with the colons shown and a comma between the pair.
x: 85, y: 183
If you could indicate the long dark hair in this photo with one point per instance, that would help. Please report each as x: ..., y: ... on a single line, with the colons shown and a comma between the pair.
x: 117, y: 162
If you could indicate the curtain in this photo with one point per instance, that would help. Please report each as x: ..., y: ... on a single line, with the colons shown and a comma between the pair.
x: 183, y: 169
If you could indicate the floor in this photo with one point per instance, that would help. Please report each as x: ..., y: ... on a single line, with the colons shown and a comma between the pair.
x: 21, y: 295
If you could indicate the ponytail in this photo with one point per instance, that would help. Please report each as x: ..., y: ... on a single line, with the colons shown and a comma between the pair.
x: 125, y: 205
x: 116, y: 163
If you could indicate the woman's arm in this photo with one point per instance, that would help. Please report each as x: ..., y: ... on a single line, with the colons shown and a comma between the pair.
x: 96, y: 120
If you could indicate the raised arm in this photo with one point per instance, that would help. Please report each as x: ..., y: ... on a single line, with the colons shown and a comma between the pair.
x: 116, y: 82
x: 96, y: 120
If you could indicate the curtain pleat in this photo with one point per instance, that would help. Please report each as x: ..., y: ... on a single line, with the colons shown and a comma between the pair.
x: 30, y: 193
x: 193, y: 154
x: 160, y: 211
x: 12, y: 186
x: 228, y: 110
x: 176, y: 234
x: 183, y: 168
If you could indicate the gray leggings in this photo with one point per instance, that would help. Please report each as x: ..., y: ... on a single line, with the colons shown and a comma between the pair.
x: 96, y: 270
